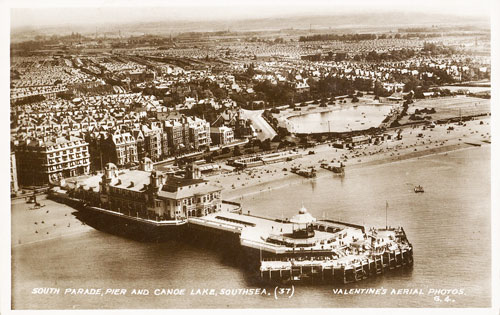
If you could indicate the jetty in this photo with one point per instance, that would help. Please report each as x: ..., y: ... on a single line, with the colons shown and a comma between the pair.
x: 303, y: 248
x: 337, y: 168
x: 190, y: 209
x: 473, y: 144
x: 304, y: 172
x: 297, y: 249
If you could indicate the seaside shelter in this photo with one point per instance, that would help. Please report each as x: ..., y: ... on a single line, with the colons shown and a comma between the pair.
x: 302, y: 224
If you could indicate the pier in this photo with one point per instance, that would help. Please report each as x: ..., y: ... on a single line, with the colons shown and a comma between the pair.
x: 297, y: 249
x: 336, y: 251
x: 335, y: 271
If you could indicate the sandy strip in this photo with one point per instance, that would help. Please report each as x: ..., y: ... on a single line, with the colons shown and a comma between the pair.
x: 56, y: 220
x: 415, y: 143
x: 52, y: 221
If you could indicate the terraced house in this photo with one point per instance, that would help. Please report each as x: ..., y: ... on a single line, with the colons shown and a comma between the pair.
x: 199, y: 133
x: 152, y: 142
x: 119, y: 148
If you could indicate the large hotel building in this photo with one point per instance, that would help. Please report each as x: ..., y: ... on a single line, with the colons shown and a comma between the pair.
x: 40, y: 162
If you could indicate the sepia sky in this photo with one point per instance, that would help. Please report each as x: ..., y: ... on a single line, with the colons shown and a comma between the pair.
x: 57, y: 12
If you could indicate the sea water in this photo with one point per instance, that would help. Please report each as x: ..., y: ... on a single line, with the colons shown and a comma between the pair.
x: 448, y: 225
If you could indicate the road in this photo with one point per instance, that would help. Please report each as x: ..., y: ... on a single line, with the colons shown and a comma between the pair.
x: 259, y: 123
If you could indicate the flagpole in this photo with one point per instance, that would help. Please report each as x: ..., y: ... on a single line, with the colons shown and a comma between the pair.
x: 386, y: 206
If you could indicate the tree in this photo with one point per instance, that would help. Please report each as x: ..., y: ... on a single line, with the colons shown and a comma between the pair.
x: 379, y: 90
x: 411, y: 83
x: 250, y: 70
x: 373, y: 56
x: 340, y: 56
x: 236, y: 151
x: 219, y: 93
x: 283, y: 144
x: 419, y: 94
x: 266, y: 145
x: 257, y: 142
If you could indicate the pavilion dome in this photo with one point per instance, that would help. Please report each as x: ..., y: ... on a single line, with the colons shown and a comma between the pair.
x: 303, y: 217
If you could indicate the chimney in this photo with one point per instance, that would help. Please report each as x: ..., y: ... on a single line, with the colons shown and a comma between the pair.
x: 192, y: 172
x: 155, y: 180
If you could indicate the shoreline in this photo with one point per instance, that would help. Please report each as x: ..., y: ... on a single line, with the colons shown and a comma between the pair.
x: 416, y: 143
x: 50, y: 238
x: 20, y: 236
x: 278, y: 183
x: 53, y: 221
x: 415, y: 155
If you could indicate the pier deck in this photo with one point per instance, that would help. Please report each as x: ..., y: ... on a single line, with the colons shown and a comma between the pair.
x: 272, y: 235
x: 331, y: 250
x: 339, y: 252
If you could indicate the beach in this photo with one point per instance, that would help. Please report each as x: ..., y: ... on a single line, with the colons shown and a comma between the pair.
x: 449, y: 226
x: 56, y: 220
x: 53, y: 220
x: 415, y: 143
x: 374, y: 176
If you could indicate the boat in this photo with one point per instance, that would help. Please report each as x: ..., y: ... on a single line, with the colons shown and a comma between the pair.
x: 418, y: 189
x: 307, y: 173
x: 336, y: 168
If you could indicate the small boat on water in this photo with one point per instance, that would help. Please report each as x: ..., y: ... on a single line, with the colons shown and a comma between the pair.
x: 308, y: 173
x: 419, y: 189
x: 336, y: 168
